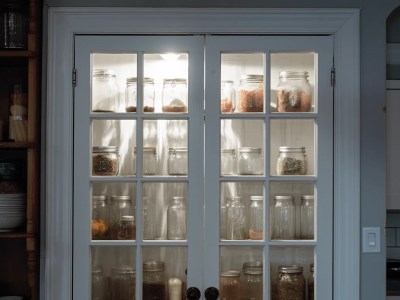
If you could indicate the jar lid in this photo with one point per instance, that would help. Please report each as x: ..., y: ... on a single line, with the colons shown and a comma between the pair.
x: 99, y: 198
x: 253, y: 267
x: 97, y: 269
x: 231, y: 273
x: 228, y: 151
x: 105, y: 149
x: 288, y: 149
x: 226, y: 81
x: 293, y: 74
x: 134, y: 80
x: 127, y: 218
x: 249, y: 150
x: 286, y: 197
x: 175, y: 81
x: 103, y: 73
x: 307, y: 197
x: 148, y: 149
x: 120, y: 198
x: 153, y: 265
x: 292, y: 269
x: 235, y: 198
x: 256, y: 198
x: 251, y: 78
x: 123, y: 270
x: 178, y: 149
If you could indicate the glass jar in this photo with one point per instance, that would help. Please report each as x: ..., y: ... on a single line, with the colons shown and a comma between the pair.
x: 126, y: 228
x: 251, y: 282
x: 229, y: 287
x: 291, y: 283
x: 105, y: 92
x: 256, y: 216
x: 293, y: 92
x: 236, y: 221
x: 150, y: 159
x: 307, y: 217
x: 14, y: 25
x: 284, y: 218
x: 227, y: 96
x: 176, y: 219
x: 228, y: 161
x: 175, y: 95
x: 174, y: 289
x: 154, y: 282
x: 100, y: 218
x: 105, y: 161
x: 250, y: 161
x: 292, y: 161
x: 311, y: 283
x: 178, y: 161
x: 131, y: 94
x: 98, y: 283
x: 123, y: 283
x: 150, y: 225
x: 120, y: 206
x: 251, y: 94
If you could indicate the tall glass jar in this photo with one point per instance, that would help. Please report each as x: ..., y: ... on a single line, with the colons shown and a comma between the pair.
x: 251, y: 94
x: 131, y: 94
x: 14, y: 25
x: 227, y: 96
x: 120, y: 206
x: 175, y: 95
x: 178, y: 161
x: 252, y: 281
x: 229, y: 287
x: 291, y: 283
x: 228, y: 161
x: 256, y: 216
x: 284, y: 218
x: 154, y: 281
x: 123, y: 283
x: 293, y: 92
x: 150, y: 226
x: 311, y: 283
x: 100, y: 218
x: 292, y: 161
x: 236, y: 220
x: 105, y: 161
x: 307, y: 217
x: 99, y: 291
x: 176, y: 219
x: 250, y: 161
x: 150, y: 159
x: 105, y: 93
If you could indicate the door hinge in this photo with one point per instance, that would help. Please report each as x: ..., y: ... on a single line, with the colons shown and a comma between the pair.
x: 333, y: 76
x: 74, y: 77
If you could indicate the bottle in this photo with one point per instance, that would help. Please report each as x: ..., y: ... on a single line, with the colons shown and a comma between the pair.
x: 98, y: 283
x: 105, y: 94
x: 154, y: 283
x: 100, y: 218
x: 250, y: 161
x: 307, y: 217
x: 292, y: 161
x: 251, y: 282
x: 283, y: 216
x: 291, y: 283
x: 176, y: 219
x: 175, y: 95
x: 227, y: 96
x: 256, y: 216
x: 236, y: 221
x: 250, y: 94
x: 120, y: 206
x: 230, y: 285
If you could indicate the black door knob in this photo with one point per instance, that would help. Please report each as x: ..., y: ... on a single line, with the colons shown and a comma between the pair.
x: 211, y: 293
x: 193, y: 293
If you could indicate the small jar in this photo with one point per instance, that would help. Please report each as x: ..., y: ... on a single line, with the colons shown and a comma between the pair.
x: 284, y: 218
x: 236, y: 219
x: 307, y: 217
x: 251, y: 94
x: 100, y: 218
x: 291, y: 283
x: 154, y: 281
x: 293, y: 92
x: 227, y: 96
x: 150, y: 159
x: 123, y: 283
x: 250, y: 161
x: 175, y: 95
x: 120, y: 206
x: 105, y: 92
x: 311, y: 283
x: 126, y: 228
x: 292, y: 161
x: 228, y: 161
x: 229, y: 286
x: 98, y: 283
x: 251, y: 282
x: 105, y: 161
x: 256, y: 216
x: 131, y: 94
x: 178, y: 161
x: 176, y: 219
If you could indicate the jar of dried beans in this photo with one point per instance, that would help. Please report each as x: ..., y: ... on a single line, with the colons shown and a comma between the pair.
x: 291, y: 283
x: 105, y: 94
x: 105, y: 161
x: 178, y: 161
x: 175, y: 95
x: 251, y: 94
x: 250, y: 161
x: 293, y: 92
x: 230, y: 285
x: 292, y: 161
x: 227, y: 96
x: 131, y: 94
x: 154, y: 281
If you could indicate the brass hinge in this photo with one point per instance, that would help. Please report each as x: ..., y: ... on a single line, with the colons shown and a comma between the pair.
x: 74, y: 77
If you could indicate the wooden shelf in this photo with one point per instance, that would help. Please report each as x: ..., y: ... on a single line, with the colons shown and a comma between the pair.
x: 16, y: 235
x: 17, y: 145
x: 17, y: 53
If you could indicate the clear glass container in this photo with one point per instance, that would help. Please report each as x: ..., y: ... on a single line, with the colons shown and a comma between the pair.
x: 291, y: 283
x: 105, y: 93
x: 131, y: 94
x: 14, y: 25
x: 252, y: 281
x: 256, y: 216
x: 176, y: 219
x: 229, y: 287
x: 123, y: 283
x: 227, y: 96
x: 292, y: 161
x: 250, y: 161
x: 100, y: 218
x: 311, y: 283
x: 178, y: 161
x: 284, y: 218
x: 150, y: 159
x: 307, y: 217
x: 99, y: 291
x: 150, y: 224
x: 120, y: 206
x: 126, y: 228
x: 175, y: 95
x: 105, y: 161
x: 250, y: 94
x: 236, y: 220
x: 228, y: 161
x: 293, y: 92
x: 154, y: 281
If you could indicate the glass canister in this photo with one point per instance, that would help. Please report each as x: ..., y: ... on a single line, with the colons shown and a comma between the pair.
x: 250, y: 161
x: 98, y: 283
x: 293, y: 92
x: 251, y: 282
x: 229, y: 287
x: 176, y: 219
x: 311, y: 283
x: 251, y: 94
x: 236, y: 220
x: 123, y: 283
x: 126, y: 228
x: 227, y: 96
x: 175, y: 95
x: 291, y: 283
x: 150, y: 159
x: 150, y: 224
x: 307, y: 217
x: 256, y: 216
x: 100, y: 218
x: 228, y: 161
x: 284, y: 218
x: 120, y: 206
x: 14, y: 25
x: 131, y: 94
x: 292, y: 161
x: 154, y: 281
x: 105, y: 93
x: 178, y: 161
x: 105, y: 161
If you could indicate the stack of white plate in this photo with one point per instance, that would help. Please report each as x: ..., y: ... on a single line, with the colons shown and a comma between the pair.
x: 12, y: 211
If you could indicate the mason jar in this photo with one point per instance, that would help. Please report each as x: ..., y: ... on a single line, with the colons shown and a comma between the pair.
x: 227, y: 96
x: 150, y: 159
x: 256, y: 216
x: 176, y: 219
x: 100, y: 218
x: 250, y: 94
x: 178, y: 161
x: 229, y: 287
x: 175, y: 95
x: 293, y: 92
x: 99, y: 291
x: 228, y: 161
x: 120, y: 206
x: 126, y: 228
x: 291, y: 283
x: 251, y: 282
x: 154, y: 281
x: 150, y: 224
x: 250, y: 161
x: 105, y: 161
x: 105, y: 94
x: 131, y: 94
x: 292, y: 161
x: 123, y: 283
x: 284, y: 218
x: 236, y: 219
x: 307, y: 217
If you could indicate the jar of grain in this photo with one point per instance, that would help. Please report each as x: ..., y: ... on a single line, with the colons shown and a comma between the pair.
x: 175, y: 95
x: 154, y: 281
x: 251, y: 282
x: 228, y: 161
x: 229, y: 286
x: 131, y: 94
x: 105, y: 161
x: 292, y: 161
x: 291, y: 283
x: 100, y: 218
x: 105, y: 94
x: 250, y: 161
x: 293, y: 92
x: 123, y: 282
x: 150, y: 159
x: 178, y: 161
x: 120, y: 206
x: 251, y: 94
x: 227, y: 96
x: 98, y: 283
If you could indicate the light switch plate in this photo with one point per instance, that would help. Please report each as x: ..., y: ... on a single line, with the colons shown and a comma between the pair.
x: 371, y: 239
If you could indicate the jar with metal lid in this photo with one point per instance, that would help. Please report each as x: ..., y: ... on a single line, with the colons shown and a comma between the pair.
x: 120, y: 206
x: 126, y: 228
x: 307, y: 217
x: 291, y: 283
x: 154, y: 281
x: 227, y: 96
x: 229, y: 286
x: 311, y: 283
x: 100, y: 218
x: 123, y: 283
x: 175, y: 95
x: 251, y: 94
x: 228, y: 161
x: 150, y: 159
x: 178, y: 161
x: 105, y: 161
x: 98, y: 283
x: 131, y: 94
x: 256, y: 216
x: 292, y: 161
x: 176, y: 219
x: 236, y: 219
x: 105, y: 94
x: 251, y: 282
x: 284, y: 218
x: 293, y: 92
x: 250, y: 161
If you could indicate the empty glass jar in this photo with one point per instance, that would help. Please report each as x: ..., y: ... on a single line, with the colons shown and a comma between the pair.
x: 229, y: 285
x: 256, y: 213
x: 227, y: 96
x: 175, y: 95
x: 105, y: 93
x: 150, y: 227
x: 283, y: 218
x: 105, y: 161
x: 150, y: 159
x: 292, y: 161
x: 154, y: 281
x: 99, y: 291
x: 100, y: 218
x: 251, y: 284
x: 131, y: 94
x: 250, y: 161
x: 178, y: 161
x: 236, y: 219
x: 291, y: 283
x: 228, y: 161
x: 120, y: 206
x: 307, y: 217
x: 176, y: 219
x: 123, y: 283
x: 251, y: 94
